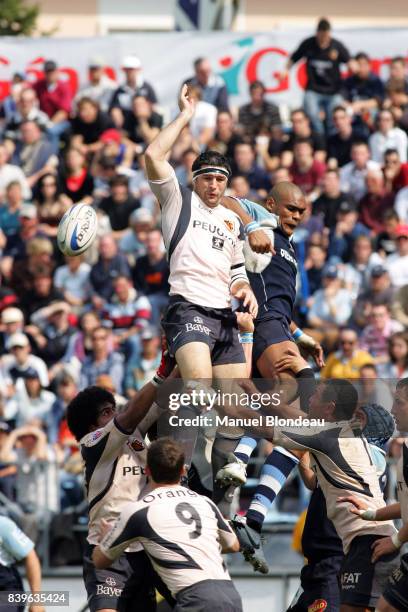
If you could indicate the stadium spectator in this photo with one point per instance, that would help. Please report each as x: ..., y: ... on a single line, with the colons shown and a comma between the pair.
x: 373, y: 390
x: 397, y: 366
x: 126, y: 313
x: 225, y: 138
x: 363, y: 90
x: 34, y: 403
x: 398, y: 77
x: 11, y: 172
x: 36, y: 259
x: 387, y: 137
x: 151, y: 274
x: 245, y: 164
x: 141, y: 370
x: 184, y: 171
x: 27, y: 110
x: 134, y: 84
x: 133, y: 241
x: 240, y: 188
x: 323, y: 55
x: 72, y: 280
x: 12, y: 321
x: 21, y: 359
x: 314, y: 265
x: 331, y: 199
x: 395, y: 173
x: 80, y: 343
x: 330, y: 306
x: 203, y: 123
x: 42, y: 293
x: 110, y: 264
x: 102, y: 360
x: 55, y: 99
x: 306, y: 172
x: 302, y: 130
x: 51, y: 206
x: 51, y: 330
x: 87, y: 126
x: 375, y: 202
x: 340, y: 141
x: 258, y: 115
x: 356, y: 273
x: 75, y: 179
x: 379, y: 291
x: 16, y: 245
x: 99, y: 87
x: 397, y: 263
x: 353, y: 175
x: 10, y: 211
x: 213, y: 87
x: 119, y: 205
x: 385, y: 241
x: 141, y: 123
x: 347, y: 361
x: 375, y: 335
x: 34, y: 154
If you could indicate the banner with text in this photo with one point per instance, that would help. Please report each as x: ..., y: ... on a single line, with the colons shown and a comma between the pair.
x: 167, y: 58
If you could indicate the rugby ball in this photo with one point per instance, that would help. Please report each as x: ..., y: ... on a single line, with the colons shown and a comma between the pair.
x: 257, y: 262
x: 77, y: 229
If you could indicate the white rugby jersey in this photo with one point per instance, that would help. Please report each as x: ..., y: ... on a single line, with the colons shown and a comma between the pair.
x: 344, y: 466
x: 182, y: 533
x: 114, y: 474
x: 204, y: 245
x: 402, y: 482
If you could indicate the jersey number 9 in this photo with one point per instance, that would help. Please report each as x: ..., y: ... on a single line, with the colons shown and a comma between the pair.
x: 189, y: 515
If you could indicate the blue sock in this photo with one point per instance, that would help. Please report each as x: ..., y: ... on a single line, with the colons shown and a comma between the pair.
x: 276, y: 469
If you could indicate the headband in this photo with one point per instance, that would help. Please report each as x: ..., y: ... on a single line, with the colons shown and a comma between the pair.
x: 211, y: 170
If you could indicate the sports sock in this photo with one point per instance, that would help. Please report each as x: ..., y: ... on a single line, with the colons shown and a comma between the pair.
x: 245, y: 448
x: 276, y: 469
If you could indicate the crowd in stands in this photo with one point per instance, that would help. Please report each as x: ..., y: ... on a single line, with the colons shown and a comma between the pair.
x: 69, y: 322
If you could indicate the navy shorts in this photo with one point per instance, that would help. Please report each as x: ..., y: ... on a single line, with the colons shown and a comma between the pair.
x: 267, y: 332
x: 319, y: 590
x: 184, y: 322
x: 10, y: 580
x: 396, y: 591
x: 362, y: 582
x: 209, y: 596
x: 130, y: 578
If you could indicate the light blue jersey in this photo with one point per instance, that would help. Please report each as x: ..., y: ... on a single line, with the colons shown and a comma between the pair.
x: 14, y: 544
x: 256, y: 211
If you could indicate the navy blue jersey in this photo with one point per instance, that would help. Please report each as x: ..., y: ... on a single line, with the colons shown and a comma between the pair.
x: 275, y: 287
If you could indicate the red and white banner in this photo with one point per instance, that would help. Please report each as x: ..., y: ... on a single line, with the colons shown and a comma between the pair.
x: 168, y: 57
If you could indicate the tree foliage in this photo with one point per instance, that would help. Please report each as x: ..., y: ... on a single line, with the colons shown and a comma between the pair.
x: 17, y: 18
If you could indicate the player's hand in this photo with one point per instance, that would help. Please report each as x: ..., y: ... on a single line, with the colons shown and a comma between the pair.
x: 245, y: 322
x: 312, y: 348
x: 260, y: 242
x: 382, y: 547
x: 246, y: 295
x: 357, y: 504
x: 167, y: 363
x: 291, y: 360
x: 186, y: 105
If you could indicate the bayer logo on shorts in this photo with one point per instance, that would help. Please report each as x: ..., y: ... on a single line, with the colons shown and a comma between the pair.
x: 198, y: 320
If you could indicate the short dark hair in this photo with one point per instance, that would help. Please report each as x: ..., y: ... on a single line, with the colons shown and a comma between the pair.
x: 344, y: 396
x: 390, y: 214
x: 256, y: 85
x: 323, y: 25
x: 391, y: 151
x: 338, y: 108
x: 165, y: 459
x: 368, y: 366
x: 119, y: 180
x: 211, y: 158
x: 403, y: 385
x: 198, y: 61
x: 82, y: 411
x: 359, y: 143
x: 362, y: 56
x: 398, y: 59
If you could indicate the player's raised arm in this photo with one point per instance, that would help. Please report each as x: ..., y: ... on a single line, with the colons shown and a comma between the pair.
x: 258, y: 240
x: 157, y: 166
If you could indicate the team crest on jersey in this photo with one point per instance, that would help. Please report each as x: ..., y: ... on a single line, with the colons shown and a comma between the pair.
x: 317, y: 606
x: 217, y: 243
x: 229, y: 224
x: 136, y: 445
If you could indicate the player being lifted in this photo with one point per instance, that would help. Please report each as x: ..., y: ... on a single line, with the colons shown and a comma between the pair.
x: 273, y: 280
x: 204, y: 244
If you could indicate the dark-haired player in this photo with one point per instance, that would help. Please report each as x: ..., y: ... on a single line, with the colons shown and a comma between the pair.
x: 343, y: 465
x: 114, y: 453
x: 182, y: 532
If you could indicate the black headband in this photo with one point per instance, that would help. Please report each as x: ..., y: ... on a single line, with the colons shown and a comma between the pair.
x: 211, y: 170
